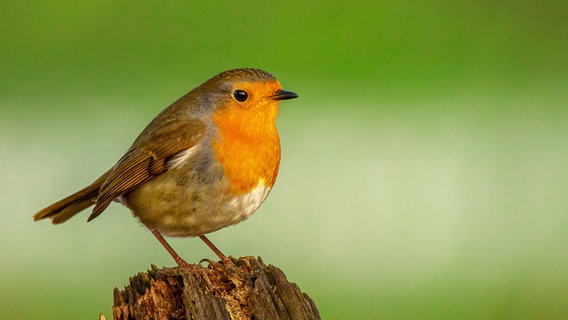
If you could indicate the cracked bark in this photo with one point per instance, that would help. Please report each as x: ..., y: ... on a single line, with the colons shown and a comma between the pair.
x: 250, y: 290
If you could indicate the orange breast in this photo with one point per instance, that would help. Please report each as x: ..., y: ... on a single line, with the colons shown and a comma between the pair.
x: 248, y: 146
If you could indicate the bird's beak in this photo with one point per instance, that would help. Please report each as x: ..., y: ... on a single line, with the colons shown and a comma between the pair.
x: 284, y: 95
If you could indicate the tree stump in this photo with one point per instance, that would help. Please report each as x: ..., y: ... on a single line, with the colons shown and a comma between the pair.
x: 249, y: 290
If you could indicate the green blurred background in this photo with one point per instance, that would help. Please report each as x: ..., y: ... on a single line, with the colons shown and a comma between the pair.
x: 424, y: 171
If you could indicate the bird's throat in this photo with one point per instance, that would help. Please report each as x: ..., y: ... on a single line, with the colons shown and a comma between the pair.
x: 248, y: 148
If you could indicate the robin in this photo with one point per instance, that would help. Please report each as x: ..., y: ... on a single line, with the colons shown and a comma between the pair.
x: 204, y: 163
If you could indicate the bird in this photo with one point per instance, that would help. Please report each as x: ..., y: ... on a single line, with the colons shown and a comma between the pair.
x: 205, y: 162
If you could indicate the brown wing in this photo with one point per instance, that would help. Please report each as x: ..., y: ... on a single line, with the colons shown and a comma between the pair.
x: 160, y: 141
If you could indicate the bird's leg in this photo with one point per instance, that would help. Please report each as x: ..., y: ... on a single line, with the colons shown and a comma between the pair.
x: 179, y: 260
x: 226, y: 261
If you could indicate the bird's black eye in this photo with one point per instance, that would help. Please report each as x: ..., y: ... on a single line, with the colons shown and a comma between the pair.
x: 240, y: 95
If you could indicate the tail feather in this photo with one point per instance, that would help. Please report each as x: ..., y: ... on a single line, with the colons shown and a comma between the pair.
x: 66, y: 208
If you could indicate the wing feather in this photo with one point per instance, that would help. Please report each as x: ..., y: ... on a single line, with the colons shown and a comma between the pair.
x: 147, y: 157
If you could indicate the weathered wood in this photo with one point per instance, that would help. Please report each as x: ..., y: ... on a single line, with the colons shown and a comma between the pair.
x: 249, y: 290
